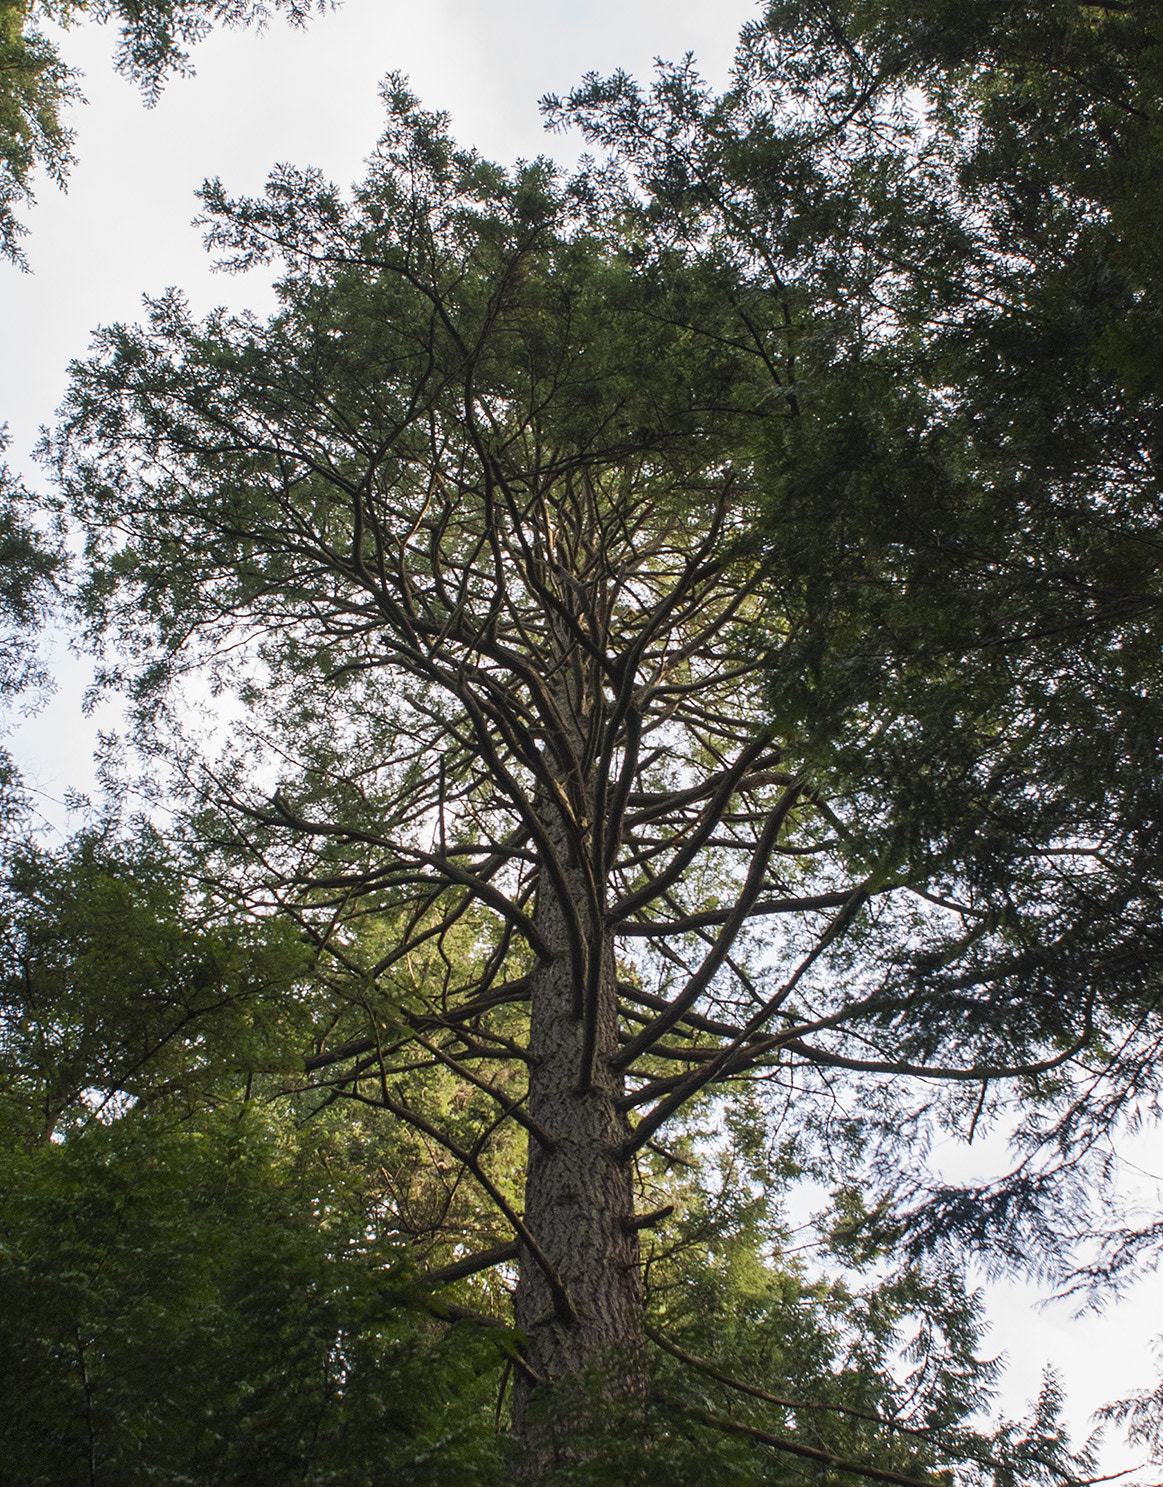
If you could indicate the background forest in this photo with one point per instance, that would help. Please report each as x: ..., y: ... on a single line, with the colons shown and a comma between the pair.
x: 641, y: 704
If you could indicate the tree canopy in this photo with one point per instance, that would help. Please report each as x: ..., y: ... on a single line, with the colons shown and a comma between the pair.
x: 658, y: 673
x: 610, y: 733
x: 207, y: 1271
x: 966, y: 540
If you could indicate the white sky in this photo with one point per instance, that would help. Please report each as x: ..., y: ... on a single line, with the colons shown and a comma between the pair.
x: 310, y: 97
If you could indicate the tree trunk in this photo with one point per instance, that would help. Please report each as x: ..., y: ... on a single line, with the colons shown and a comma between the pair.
x: 579, y: 1208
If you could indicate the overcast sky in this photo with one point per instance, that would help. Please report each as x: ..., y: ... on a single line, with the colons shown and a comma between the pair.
x: 310, y: 97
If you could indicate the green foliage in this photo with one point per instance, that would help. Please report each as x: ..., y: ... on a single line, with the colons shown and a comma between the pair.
x: 525, y: 319
x: 197, y: 1283
x: 980, y: 590
x: 154, y: 34
x: 113, y: 989
x: 198, y: 1298
x: 31, y: 566
x: 36, y: 85
x: 852, y: 340
x: 190, y: 1301
x: 761, y: 1358
x: 973, y: 594
x: 194, y: 1285
x: 961, y: 500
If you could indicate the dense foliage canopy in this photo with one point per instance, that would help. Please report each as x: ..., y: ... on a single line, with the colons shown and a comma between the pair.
x: 966, y: 541
x: 206, y: 1273
x: 661, y: 672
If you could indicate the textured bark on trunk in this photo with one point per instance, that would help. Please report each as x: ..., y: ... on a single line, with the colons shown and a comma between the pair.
x: 579, y: 1205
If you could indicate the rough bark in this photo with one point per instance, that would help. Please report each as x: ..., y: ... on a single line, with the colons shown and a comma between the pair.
x: 579, y: 1202
x: 579, y: 1191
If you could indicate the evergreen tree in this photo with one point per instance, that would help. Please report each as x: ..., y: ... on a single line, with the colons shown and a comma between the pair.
x: 473, y: 530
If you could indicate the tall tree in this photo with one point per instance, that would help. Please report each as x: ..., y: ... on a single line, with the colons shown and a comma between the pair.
x: 469, y: 528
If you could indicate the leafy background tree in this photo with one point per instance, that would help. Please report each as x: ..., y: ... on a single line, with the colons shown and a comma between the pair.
x: 33, y: 563
x: 194, y: 1283
x: 198, y: 1282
